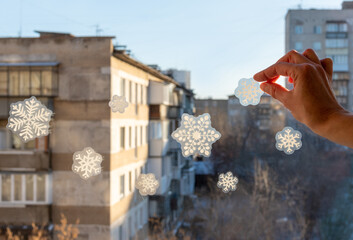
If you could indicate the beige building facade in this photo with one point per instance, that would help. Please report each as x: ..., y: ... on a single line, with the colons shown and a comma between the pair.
x: 76, y: 77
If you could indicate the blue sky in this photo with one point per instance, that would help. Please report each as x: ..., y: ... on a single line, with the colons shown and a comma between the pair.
x: 220, y: 42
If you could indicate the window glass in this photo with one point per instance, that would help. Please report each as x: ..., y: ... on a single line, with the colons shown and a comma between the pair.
x: 122, y: 137
x: 35, y: 82
x: 29, y: 187
x: 41, y: 187
x: 3, y: 83
x: 122, y: 87
x: 121, y: 232
x: 130, y: 137
x: 14, y: 83
x: 47, y: 82
x: 17, y: 187
x: 5, y: 187
x: 130, y: 181
x: 317, y: 46
x: 24, y: 83
x: 299, y: 29
x: 130, y: 92
x: 298, y: 46
x: 122, y: 185
x: 317, y: 29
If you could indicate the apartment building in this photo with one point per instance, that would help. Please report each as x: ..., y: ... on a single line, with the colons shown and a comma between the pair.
x: 75, y: 77
x: 167, y: 104
x: 329, y: 33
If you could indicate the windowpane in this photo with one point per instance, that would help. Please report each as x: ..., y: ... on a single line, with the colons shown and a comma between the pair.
x: 18, y: 187
x: 41, y: 187
x: 298, y: 46
x: 122, y: 185
x: 317, y: 29
x: 14, y: 83
x: 299, y: 29
x: 16, y: 142
x: 35, y: 83
x: 29, y: 187
x: 47, y: 82
x: 122, y: 138
x: 3, y: 83
x: 24, y: 83
x: 6, y: 187
x: 130, y: 92
x: 141, y: 135
x: 130, y: 181
x: 120, y: 232
x: 130, y: 137
x: 122, y: 87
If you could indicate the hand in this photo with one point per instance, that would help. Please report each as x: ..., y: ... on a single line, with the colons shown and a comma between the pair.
x: 312, y: 100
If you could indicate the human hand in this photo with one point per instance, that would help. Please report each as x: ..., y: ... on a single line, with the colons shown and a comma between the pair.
x: 312, y: 100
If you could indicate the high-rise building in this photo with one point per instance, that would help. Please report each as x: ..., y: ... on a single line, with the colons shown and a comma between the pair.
x: 76, y: 77
x: 329, y: 33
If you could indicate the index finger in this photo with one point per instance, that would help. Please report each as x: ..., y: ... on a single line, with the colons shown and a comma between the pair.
x: 274, y: 71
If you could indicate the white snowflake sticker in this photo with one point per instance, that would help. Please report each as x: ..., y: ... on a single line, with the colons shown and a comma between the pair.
x: 29, y: 119
x: 87, y: 163
x: 227, y: 182
x: 147, y: 184
x: 288, y: 140
x: 196, y: 135
x: 248, y: 92
x: 118, y: 104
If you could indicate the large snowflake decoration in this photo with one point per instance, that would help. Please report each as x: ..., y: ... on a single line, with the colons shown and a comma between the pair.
x: 118, y: 104
x: 196, y: 135
x: 248, y: 92
x: 227, y: 182
x: 87, y: 163
x: 29, y: 119
x: 288, y: 140
x: 147, y: 184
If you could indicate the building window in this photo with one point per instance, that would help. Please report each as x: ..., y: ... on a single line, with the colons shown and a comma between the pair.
x: 337, y: 43
x: 24, y: 188
x: 141, y: 135
x: 130, y: 92
x: 317, y: 29
x: 130, y: 137
x: 336, y: 27
x: 155, y: 130
x: 141, y: 217
x: 122, y: 186
x: 298, y: 29
x: 122, y: 86
x: 28, y: 81
x: 122, y: 137
x: 339, y: 59
x: 317, y: 46
x: 298, y: 46
x: 121, y: 232
x: 130, y: 181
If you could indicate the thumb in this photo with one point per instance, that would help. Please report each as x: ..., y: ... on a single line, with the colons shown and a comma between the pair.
x: 276, y: 91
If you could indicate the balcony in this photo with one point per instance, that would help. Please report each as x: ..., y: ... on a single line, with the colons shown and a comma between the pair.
x: 158, y: 112
x: 33, y: 160
x: 174, y: 112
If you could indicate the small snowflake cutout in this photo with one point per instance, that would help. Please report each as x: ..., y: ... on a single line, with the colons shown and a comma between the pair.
x: 29, y: 119
x: 288, y: 140
x: 227, y: 182
x: 147, y: 184
x: 87, y: 163
x: 248, y: 92
x: 118, y: 104
x: 196, y: 135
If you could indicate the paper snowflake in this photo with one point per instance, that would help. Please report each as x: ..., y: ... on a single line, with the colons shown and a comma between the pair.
x: 87, y: 163
x: 147, y: 184
x: 227, y: 182
x: 288, y: 140
x: 196, y: 135
x: 248, y: 92
x: 29, y: 119
x: 118, y: 104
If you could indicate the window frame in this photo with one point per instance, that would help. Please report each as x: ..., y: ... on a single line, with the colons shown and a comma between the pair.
x: 47, y: 189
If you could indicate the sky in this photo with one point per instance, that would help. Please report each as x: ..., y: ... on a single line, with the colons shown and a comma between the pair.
x: 220, y: 42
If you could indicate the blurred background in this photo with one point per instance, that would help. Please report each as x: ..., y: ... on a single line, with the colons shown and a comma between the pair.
x: 168, y: 59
